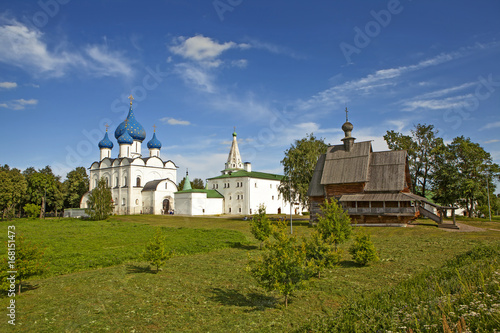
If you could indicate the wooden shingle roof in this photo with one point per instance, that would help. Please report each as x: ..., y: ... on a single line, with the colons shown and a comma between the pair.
x: 343, y: 167
x: 315, y: 187
x: 380, y: 171
x: 387, y: 171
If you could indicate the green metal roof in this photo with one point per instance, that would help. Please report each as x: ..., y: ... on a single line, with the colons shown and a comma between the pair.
x: 210, y: 193
x: 252, y: 174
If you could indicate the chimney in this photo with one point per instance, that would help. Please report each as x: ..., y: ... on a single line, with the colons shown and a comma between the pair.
x: 248, y: 166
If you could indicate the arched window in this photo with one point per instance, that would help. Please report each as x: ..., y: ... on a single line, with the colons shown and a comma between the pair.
x: 123, y: 201
x: 116, y: 182
x: 138, y: 182
x: 125, y: 181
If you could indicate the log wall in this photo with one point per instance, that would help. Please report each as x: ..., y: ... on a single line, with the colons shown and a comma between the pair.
x: 336, y: 190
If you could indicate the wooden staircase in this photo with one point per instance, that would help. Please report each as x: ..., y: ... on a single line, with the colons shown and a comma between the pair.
x: 436, y: 218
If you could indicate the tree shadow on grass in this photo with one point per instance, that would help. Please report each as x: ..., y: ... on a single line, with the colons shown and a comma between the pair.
x: 241, y: 246
x: 131, y: 269
x: 349, y: 264
x: 26, y: 286
x: 258, y: 302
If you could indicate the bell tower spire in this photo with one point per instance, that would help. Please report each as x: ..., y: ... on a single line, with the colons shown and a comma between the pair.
x: 234, y: 159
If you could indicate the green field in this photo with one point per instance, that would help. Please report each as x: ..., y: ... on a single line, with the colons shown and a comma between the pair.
x: 96, y: 281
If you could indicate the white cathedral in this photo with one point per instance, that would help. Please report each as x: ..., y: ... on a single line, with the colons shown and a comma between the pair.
x: 139, y: 185
x: 147, y: 185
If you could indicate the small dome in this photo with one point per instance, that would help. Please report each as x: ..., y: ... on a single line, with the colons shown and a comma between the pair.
x: 347, y: 127
x: 154, y: 143
x: 106, y: 142
x: 125, y: 138
x: 134, y: 128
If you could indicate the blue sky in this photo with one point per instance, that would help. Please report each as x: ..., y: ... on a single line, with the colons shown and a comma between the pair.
x: 276, y: 70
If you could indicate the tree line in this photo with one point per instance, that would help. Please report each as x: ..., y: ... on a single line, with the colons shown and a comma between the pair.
x: 33, y: 190
x: 459, y: 173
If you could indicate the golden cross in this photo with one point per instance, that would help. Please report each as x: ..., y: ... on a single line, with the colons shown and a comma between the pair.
x: 130, y: 98
x: 106, y: 126
x: 154, y: 128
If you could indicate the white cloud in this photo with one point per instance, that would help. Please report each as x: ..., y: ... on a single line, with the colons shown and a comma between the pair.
x: 273, y: 48
x: 239, y: 63
x: 19, y: 104
x: 492, y: 125
x: 201, y: 48
x: 400, y: 124
x: 28, y: 49
x: 446, y: 91
x: 8, y: 85
x: 201, y: 165
x: 339, y: 95
x: 172, y: 121
x: 491, y: 141
x: 437, y: 104
x: 108, y: 63
x: 195, y: 77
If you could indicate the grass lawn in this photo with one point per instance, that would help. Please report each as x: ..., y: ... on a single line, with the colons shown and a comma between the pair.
x: 97, y: 283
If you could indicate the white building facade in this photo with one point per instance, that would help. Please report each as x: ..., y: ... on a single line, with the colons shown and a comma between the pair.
x: 139, y: 185
x: 240, y: 191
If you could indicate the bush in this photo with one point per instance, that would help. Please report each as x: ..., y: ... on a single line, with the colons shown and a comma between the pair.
x: 283, y: 267
x: 28, y: 262
x: 363, y: 251
x: 260, y: 226
x: 320, y: 254
x: 461, y: 296
x: 334, y: 224
x: 32, y: 210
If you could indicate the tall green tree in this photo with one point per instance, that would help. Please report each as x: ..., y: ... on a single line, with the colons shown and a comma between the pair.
x: 100, y: 201
x: 44, y: 189
x: 299, y: 163
x: 334, y: 224
x: 421, y: 148
x: 463, y: 168
x: 13, y: 187
x: 76, y: 185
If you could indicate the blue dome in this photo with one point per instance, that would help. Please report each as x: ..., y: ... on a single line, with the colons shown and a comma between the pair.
x: 106, y: 142
x: 154, y: 142
x: 125, y: 138
x: 135, y: 129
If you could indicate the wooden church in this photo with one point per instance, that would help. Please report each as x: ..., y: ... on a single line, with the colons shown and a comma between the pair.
x: 374, y: 187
